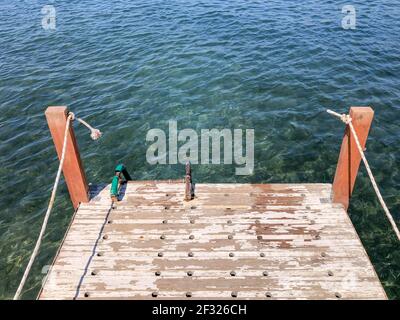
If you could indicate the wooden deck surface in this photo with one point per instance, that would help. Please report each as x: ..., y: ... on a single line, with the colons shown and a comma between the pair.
x: 233, y: 241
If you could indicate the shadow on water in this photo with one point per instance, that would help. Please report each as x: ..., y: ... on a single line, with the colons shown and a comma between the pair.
x: 95, y: 190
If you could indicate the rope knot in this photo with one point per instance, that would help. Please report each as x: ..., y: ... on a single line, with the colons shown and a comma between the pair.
x: 345, y: 118
x: 95, y: 134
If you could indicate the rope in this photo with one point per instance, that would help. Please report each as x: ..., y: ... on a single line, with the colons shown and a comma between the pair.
x: 95, y: 134
x: 347, y: 120
x: 46, y: 217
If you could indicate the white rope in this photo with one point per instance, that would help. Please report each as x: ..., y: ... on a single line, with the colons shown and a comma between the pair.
x: 347, y: 120
x: 94, y: 133
x: 46, y: 217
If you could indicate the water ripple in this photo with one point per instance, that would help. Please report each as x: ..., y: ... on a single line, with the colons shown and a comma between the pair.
x: 128, y: 66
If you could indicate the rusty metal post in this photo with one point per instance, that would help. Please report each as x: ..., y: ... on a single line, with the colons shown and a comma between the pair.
x: 349, y: 157
x: 73, y: 171
x: 189, y: 194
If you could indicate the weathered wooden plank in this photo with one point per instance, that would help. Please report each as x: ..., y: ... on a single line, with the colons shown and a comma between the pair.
x: 306, y: 244
x: 292, y: 254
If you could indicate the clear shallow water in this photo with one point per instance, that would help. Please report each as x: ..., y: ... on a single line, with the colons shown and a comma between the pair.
x: 130, y: 66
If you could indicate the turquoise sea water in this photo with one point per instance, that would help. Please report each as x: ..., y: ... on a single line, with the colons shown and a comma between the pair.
x: 129, y: 66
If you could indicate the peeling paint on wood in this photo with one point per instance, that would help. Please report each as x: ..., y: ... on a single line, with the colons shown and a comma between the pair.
x: 273, y: 241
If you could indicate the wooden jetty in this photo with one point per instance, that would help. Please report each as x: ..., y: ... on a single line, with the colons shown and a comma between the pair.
x: 231, y: 241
